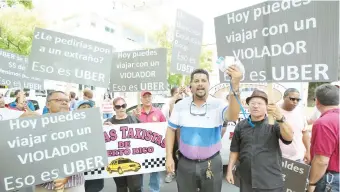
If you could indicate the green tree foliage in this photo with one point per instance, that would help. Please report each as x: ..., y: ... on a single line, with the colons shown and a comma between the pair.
x: 26, y: 3
x: 17, y: 27
x: 176, y: 79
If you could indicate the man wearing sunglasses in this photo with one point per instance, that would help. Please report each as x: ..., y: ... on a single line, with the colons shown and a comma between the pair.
x: 200, y: 119
x: 298, y: 150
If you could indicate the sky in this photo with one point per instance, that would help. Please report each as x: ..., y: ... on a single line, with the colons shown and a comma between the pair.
x: 153, y: 17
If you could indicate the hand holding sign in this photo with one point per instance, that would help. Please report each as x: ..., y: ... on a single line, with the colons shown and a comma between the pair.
x: 274, y: 111
x: 137, y: 111
x: 59, y: 184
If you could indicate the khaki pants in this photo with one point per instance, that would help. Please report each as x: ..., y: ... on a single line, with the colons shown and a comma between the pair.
x: 80, y: 188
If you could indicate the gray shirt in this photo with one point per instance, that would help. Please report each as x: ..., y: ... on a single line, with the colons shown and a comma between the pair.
x: 259, y: 154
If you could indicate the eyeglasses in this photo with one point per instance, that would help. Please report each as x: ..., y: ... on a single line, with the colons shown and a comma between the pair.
x: 60, y: 100
x: 294, y: 99
x: 121, y: 106
x: 252, y: 104
x: 198, y: 114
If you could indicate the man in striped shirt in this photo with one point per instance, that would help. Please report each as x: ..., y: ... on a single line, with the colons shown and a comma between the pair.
x: 200, y: 119
x: 56, y: 102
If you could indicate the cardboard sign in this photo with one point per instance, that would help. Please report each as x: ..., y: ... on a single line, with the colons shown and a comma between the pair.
x: 139, y: 70
x: 132, y: 149
x: 28, y: 189
x: 187, y: 43
x: 13, y: 72
x: 282, y: 41
x: 61, y: 57
x: 6, y: 114
x: 51, y: 146
x: 294, y: 175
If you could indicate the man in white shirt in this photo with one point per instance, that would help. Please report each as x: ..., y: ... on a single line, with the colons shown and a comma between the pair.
x: 298, y: 150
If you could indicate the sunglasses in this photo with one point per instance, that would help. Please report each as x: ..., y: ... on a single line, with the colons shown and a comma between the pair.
x: 198, y: 114
x: 294, y: 99
x: 120, y: 106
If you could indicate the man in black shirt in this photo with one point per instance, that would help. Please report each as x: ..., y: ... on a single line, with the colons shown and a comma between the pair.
x: 256, y: 145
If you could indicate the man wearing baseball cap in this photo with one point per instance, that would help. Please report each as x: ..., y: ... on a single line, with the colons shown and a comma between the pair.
x: 149, y: 114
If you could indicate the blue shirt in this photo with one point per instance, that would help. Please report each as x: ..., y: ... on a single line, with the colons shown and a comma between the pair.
x: 29, y: 104
x: 201, y: 127
x: 45, y: 110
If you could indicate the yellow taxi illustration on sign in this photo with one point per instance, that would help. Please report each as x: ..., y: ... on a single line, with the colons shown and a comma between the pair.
x: 122, y: 165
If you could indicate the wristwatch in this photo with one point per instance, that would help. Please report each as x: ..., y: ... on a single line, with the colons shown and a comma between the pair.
x: 236, y: 92
x: 312, y: 184
x: 282, y: 120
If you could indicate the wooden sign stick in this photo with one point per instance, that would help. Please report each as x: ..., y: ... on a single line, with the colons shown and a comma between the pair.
x: 270, y: 100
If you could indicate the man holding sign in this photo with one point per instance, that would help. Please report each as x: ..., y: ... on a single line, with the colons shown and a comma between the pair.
x: 200, y: 119
x: 56, y: 102
x: 255, y: 144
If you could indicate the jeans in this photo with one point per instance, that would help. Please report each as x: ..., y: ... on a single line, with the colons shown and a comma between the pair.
x: 327, y: 178
x: 95, y: 185
x: 107, y: 115
x: 155, y: 182
x: 131, y: 183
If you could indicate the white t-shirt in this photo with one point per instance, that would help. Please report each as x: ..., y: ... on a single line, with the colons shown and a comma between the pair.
x: 297, y: 120
x: 7, y: 114
x: 315, y: 115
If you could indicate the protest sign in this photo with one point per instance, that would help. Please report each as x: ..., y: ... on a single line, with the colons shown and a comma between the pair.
x: 282, y: 41
x: 62, y: 57
x: 139, y: 70
x: 294, y: 175
x: 13, y: 72
x: 6, y: 114
x: 186, y: 46
x: 28, y: 189
x: 132, y: 149
x: 51, y: 146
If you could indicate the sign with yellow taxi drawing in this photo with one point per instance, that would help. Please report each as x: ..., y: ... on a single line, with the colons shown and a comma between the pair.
x: 132, y: 149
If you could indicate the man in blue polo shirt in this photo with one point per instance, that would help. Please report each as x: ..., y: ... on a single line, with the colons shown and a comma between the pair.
x: 200, y: 119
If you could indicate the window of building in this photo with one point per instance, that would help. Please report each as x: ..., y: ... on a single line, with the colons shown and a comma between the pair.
x: 109, y: 29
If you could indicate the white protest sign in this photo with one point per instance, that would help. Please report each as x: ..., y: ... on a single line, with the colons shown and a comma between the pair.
x: 132, y: 149
x: 62, y: 57
x: 13, y: 72
x: 187, y: 43
x: 51, y: 146
x: 282, y: 41
x: 139, y: 70
x: 6, y: 114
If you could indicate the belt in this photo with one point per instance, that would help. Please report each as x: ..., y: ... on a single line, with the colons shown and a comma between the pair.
x: 332, y: 172
x: 198, y: 160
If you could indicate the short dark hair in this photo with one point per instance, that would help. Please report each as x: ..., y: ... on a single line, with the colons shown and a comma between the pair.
x: 327, y: 95
x: 172, y: 91
x: 16, y: 92
x: 52, y: 93
x: 198, y: 71
x: 72, y: 94
x: 290, y: 90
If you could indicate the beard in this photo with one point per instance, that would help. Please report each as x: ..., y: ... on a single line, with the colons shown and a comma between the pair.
x: 201, y: 93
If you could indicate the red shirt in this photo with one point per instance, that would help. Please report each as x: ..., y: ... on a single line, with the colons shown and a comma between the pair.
x: 325, y: 138
x: 155, y: 115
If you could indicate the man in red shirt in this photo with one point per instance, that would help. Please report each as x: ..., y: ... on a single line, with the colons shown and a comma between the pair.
x: 324, y: 174
x: 150, y: 114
